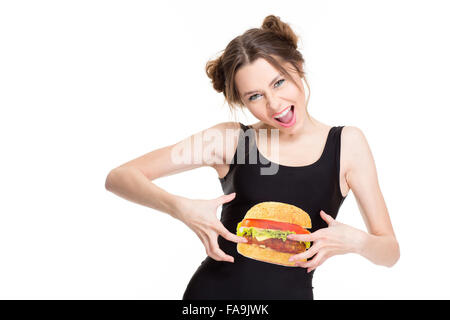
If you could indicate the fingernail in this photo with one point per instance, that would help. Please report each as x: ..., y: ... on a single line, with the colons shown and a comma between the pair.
x: 291, y: 259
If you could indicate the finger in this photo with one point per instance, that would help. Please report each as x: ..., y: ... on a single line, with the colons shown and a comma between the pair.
x: 328, y: 219
x: 306, y: 254
x: 302, y: 237
x: 228, y: 235
x: 214, y: 250
x: 209, y: 247
x: 314, y: 236
x: 325, y: 257
x: 221, y: 256
x: 202, y: 238
x: 225, y: 198
x: 314, y: 262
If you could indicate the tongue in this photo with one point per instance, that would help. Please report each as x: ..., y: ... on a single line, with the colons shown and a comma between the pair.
x: 287, y: 117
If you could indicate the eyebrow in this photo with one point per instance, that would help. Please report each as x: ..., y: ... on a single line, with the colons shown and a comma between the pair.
x: 271, y: 82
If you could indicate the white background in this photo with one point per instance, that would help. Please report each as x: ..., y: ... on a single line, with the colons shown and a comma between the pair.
x: 88, y: 85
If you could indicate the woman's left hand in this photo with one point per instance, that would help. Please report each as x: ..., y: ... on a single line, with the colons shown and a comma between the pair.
x: 337, y: 238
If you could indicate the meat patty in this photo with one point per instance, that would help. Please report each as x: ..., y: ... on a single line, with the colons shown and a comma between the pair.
x: 289, y: 246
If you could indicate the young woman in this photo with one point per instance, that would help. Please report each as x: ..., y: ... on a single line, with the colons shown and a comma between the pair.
x: 317, y: 165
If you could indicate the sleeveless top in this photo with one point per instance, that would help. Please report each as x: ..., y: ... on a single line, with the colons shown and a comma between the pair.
x: 312, y: 188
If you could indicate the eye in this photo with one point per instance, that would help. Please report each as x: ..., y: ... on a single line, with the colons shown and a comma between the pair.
x: 279, y: 81
x: 250, y: 99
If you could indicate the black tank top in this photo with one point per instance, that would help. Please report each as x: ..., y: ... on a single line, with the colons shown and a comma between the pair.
x: 312, y: 188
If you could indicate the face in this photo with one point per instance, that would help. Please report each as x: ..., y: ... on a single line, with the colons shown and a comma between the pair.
x: 272, y: 94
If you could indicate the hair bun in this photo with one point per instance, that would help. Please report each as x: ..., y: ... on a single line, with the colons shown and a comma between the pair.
x: 274, y: 24
x: 214, y: 70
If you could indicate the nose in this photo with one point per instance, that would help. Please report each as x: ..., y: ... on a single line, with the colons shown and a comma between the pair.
x: 273, y: 106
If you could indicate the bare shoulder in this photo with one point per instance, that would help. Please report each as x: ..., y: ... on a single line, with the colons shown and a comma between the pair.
x: 355, y: 150
x: 216, y: 142
x: 226, y: 138
x: 354, y: 140
x: 207, y: 147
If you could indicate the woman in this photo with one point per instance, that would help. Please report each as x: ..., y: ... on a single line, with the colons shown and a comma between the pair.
x: 316, y: 166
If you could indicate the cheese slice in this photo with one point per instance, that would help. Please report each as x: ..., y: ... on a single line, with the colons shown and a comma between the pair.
x: 262, y: 238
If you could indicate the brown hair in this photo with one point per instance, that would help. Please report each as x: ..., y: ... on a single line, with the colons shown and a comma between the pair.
x: 274, y: 41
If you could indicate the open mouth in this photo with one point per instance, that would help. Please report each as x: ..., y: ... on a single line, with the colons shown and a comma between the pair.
x: 287, y: 118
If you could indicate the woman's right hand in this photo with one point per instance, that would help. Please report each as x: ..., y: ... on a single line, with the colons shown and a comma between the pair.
x: 200, y: 216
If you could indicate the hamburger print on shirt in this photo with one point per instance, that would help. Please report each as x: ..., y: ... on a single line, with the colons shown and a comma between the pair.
x: 266, y: 226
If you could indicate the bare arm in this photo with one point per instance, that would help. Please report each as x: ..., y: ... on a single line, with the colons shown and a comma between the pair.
x: 133, y: 181
x: 131, y: 184
x: 379, y: 245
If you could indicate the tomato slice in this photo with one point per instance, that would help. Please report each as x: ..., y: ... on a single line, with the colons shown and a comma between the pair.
x: 270, y: 224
